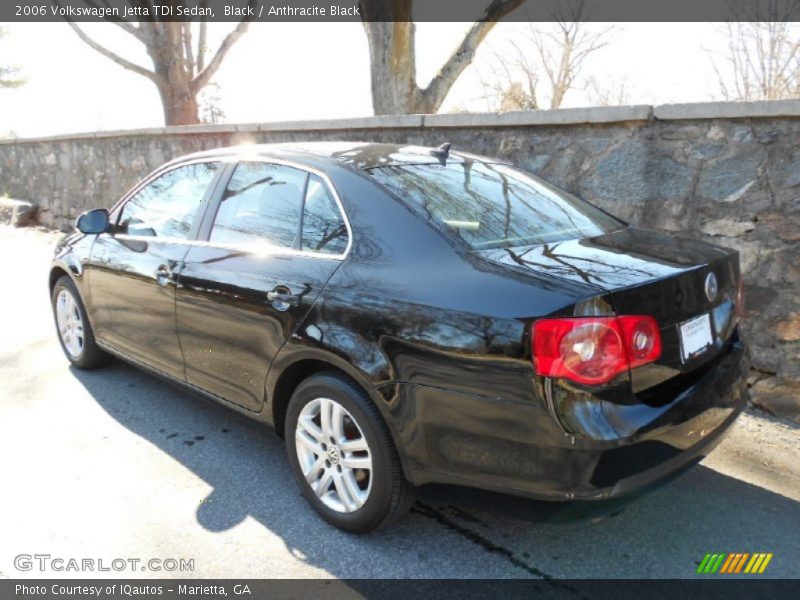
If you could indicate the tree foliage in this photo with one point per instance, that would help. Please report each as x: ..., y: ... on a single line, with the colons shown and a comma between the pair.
x: 210, y: 104
x: 9, y: 76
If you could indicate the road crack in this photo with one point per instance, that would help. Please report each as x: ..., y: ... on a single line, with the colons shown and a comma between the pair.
x: 487, y: 544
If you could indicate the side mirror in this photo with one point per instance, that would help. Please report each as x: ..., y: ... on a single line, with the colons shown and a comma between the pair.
x: 93, y: 221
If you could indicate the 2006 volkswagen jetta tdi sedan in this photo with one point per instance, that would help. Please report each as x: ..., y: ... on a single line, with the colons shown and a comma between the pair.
x: 404, y: 315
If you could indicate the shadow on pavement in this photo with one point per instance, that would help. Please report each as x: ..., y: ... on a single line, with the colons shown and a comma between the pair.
x: 702, y: 511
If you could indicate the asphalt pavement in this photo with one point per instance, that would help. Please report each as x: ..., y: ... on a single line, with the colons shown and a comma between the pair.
x: 115, y: 464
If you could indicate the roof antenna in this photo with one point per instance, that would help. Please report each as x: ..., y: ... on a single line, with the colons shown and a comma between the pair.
x: 442, y: 152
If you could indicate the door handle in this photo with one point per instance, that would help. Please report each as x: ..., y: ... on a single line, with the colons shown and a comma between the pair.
x: 163, y: 275
x: 283, y: 295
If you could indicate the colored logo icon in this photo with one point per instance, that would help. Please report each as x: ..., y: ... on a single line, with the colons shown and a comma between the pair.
x: 733, y: 563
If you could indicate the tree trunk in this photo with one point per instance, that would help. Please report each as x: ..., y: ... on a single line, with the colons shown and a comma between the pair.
x: 180, y: 108
x: 180, y: 70
x: 393, y: 68
x: 178, y: 97
x: 393, y: 72
x: 390, y: 35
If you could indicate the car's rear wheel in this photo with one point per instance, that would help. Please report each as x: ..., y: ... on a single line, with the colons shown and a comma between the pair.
x: 74, y: 330
x: 342, y: 455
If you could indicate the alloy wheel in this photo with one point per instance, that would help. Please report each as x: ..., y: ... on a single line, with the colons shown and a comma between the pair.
x: 70, y: 323
x: 334, y: 455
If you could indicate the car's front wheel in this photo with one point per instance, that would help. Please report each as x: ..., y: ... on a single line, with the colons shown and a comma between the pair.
x: 74, y: 330
x: 342, y: 455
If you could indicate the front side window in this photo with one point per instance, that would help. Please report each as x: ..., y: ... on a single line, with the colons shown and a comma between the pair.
x: 492, y: 205
x: 323, y: 226
x: 261, y: 205
x: 166, y: 207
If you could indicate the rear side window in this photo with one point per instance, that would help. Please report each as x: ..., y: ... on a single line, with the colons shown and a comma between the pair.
x: 261, y: 205
x: 167, y: 206
x: 324, y: 229
x: 492, y: 205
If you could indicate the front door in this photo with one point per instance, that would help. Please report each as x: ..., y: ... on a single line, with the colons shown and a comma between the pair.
x: 133, y: 270
x: 277, y: 237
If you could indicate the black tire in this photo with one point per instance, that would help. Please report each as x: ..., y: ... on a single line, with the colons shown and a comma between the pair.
x: 90, y: 356
x: 390, y: 494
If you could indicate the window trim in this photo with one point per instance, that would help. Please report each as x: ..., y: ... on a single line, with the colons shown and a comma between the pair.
x: 328, y: 184
x: 219, y: 191
x: 117, y: 210
x: 219, y: 197
x: 213, y: 197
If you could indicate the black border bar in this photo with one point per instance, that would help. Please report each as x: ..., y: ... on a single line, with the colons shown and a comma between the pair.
x: 271, y: 11
x: 728, y: 588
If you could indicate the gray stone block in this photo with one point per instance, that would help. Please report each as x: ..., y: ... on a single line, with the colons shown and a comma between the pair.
x: 729, y: 179
x: 636, y: 171
x: 379, y: 122
x: 780, y: 397
x: 561, y: 116
x: 727, y: 110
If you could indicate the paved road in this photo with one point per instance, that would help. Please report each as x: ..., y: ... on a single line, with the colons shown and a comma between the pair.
x: 116, y: 464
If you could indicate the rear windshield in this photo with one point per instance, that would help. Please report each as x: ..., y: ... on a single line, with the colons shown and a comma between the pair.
x: 492, y: 205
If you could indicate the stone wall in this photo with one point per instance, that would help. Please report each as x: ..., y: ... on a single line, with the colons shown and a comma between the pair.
x: 725, y: 172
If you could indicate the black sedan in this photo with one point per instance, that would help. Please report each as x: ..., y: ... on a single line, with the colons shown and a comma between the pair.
x: 405, y: 315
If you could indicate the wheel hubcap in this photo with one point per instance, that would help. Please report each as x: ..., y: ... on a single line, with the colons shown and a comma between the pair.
x: 334, y: 455
x: 70, y: 324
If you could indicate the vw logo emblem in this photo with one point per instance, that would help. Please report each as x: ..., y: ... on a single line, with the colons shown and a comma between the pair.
x: 711, y: 287
x: 333, y: 455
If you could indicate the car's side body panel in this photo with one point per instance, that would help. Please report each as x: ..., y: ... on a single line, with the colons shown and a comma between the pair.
x: 131, y: 311
x: 229, y: 331
x: 494, y: 444
x: 70, y: 257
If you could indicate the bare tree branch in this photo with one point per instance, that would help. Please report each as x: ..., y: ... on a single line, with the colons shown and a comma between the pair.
x: 203, y: 77
x: 188, y: 52
x: 118, y: 21
x: 201, y: 44
x: 614, y: 92
x: 547, y: 59
x: 762, y: 61
x: 179, y: 71
x: 116, y: 57
x: 391, y: 34
x: 443, y: 80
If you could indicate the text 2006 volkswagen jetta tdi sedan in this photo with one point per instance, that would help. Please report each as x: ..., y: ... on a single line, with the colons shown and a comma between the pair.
x: 404, y: 315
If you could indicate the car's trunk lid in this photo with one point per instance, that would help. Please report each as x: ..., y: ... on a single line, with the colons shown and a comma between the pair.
x: 649, y: 273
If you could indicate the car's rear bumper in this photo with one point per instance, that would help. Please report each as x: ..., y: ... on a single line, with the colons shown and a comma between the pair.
x: 518, y: 449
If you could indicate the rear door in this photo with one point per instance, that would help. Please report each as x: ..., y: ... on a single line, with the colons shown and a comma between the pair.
x: 274, y: 237
x: 132, y: 271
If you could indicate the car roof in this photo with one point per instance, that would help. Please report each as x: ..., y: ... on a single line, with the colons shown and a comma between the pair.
x: 356, y: 155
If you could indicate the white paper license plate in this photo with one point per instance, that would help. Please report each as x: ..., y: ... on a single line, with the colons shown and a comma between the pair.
x: 696, y: 336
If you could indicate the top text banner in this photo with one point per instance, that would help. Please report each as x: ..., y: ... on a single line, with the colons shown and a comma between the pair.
x: 133, y: 11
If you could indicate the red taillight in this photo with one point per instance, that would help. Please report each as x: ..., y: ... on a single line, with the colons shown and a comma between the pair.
x: 642, y: 338
x: 593, y: 350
